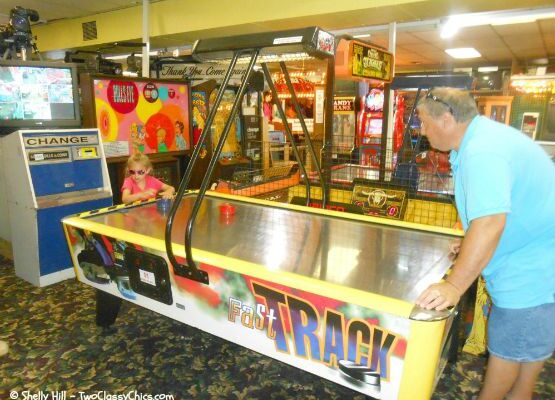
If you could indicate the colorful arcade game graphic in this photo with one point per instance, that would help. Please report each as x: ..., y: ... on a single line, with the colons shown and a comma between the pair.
x: 101, y: 260
x: 355, y: 346
x: 142, y: 116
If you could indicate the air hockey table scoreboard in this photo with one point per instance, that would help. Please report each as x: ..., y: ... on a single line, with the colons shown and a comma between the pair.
x: 329, y: 293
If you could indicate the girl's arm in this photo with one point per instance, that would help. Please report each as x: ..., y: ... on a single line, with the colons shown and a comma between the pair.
x: 167, y: 191
x: 127, y: 197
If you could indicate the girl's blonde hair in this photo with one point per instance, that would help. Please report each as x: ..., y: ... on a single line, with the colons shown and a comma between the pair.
x: 139, y: 158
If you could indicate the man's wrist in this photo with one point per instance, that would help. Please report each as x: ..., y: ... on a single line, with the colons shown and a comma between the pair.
x: 457, y: 288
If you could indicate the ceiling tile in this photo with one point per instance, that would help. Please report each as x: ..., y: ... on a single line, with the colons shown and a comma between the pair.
x: 531, y: 53
x: 497, y: 55
x: 380, y: 41
x: 524, y: 41
x: 405, y: 38
x: 424, y: 47
x: 547, y: 25
x: 431, y: 36
x: 475, y: 33
x: 517, y: 29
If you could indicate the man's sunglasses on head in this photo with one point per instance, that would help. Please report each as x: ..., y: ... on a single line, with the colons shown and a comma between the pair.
x: 433, y: 97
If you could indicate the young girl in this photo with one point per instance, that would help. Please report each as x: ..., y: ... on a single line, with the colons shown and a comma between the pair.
x: 139, y: 185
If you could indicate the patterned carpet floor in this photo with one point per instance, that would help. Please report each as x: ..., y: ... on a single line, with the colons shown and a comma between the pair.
x: 56, y: 346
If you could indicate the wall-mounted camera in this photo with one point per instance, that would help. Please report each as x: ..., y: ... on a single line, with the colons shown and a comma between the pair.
x: 16, y: 37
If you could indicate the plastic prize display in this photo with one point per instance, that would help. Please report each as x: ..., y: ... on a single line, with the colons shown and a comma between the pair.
x: 328, y: 292
x: 48, y: 175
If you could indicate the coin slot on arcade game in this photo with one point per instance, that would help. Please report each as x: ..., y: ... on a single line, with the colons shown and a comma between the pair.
x: 149, y: 275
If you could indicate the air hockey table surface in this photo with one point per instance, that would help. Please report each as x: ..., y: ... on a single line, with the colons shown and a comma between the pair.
x: 386, y: 260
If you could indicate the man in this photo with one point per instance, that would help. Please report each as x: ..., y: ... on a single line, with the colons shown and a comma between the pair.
x: 505, y: 195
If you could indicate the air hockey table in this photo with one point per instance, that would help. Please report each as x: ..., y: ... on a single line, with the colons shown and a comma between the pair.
x: 330, y: 293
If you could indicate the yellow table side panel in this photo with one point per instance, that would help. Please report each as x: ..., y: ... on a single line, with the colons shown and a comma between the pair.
x: 431, y: 213
x: 421, y: 360
x: 72, y: 254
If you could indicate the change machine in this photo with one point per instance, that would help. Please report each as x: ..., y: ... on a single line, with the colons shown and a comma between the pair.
x: 50, y: 174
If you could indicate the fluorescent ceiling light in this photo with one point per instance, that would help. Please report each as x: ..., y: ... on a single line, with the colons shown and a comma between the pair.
x: 452, y: 25
x: 488, y: 69
x: 364, y: 35
x: 463, y: 52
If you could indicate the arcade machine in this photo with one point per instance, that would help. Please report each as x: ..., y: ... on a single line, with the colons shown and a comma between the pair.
x: 138, y: 115
x: 357, y: 145
x: 419, y: 177
x: 425, y: 170
x: 47, y: 172
x: 369, y: 127
x: 549, y: 148
x: 344, y: 129
x: 330, y: 293
x: 52, y: 174
x: 372, y: 67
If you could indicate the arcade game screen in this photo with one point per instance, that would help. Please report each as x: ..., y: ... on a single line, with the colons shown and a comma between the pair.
x: 36, y: 93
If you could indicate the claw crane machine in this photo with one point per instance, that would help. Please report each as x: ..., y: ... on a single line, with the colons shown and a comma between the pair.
x: 46, y: 172
x: 330, y: 293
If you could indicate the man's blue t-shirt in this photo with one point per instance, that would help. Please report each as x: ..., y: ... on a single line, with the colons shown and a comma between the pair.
x: 498, y: 169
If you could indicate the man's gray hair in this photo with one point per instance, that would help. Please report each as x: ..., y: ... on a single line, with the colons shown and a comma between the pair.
x: 445, y: 99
